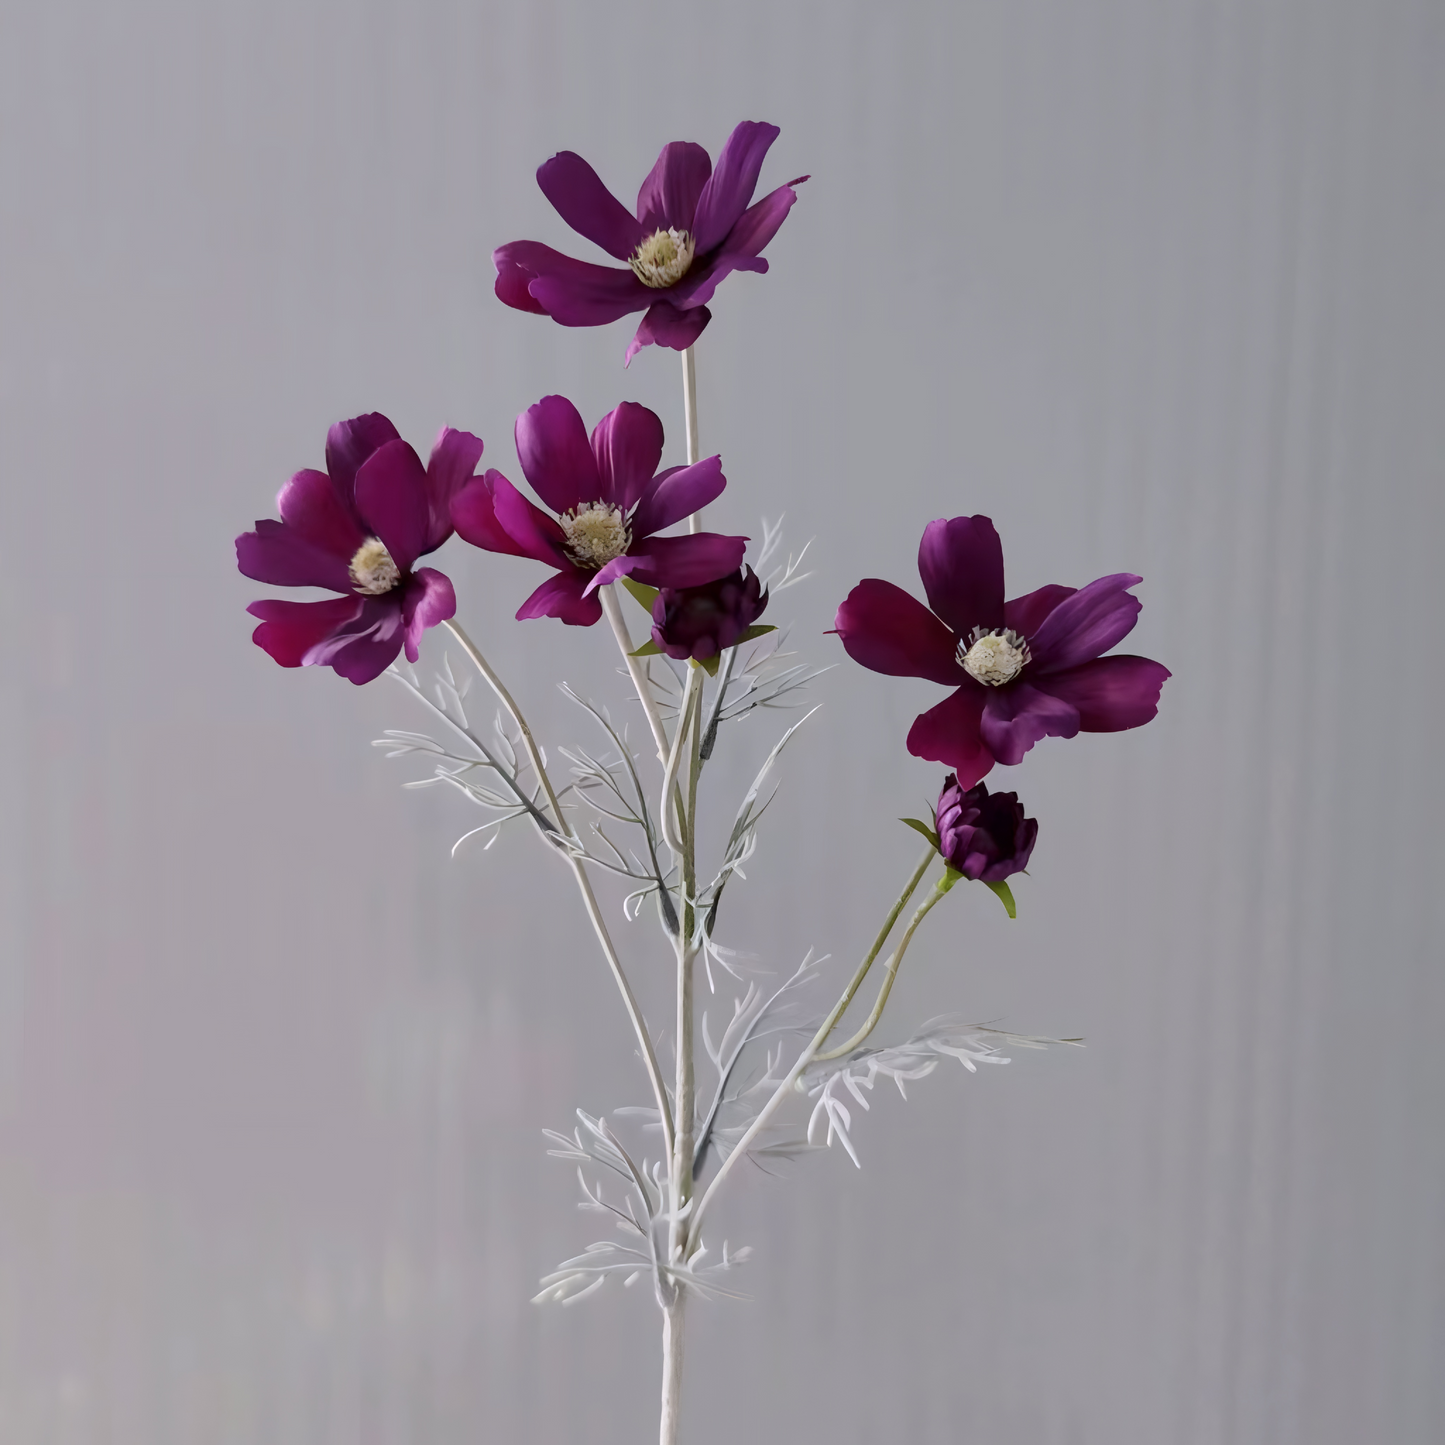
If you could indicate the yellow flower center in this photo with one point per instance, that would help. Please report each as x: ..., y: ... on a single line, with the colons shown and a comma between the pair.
x: 372, y: 570
x: 993, y: 656
x: 596, y: 532
x: 663, y: 258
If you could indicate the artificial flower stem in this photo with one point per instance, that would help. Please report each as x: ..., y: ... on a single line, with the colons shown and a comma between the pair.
x: 636, y: 669
x: 584, y: 884
x: 675, y: 840
x: 528, y: 741
x: 889, y: 975
x: 671, y: 1371
x: 808, y: 1054
x: 689, y: 416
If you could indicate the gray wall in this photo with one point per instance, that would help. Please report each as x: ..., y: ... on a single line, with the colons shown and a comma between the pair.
x: 1156, y: 283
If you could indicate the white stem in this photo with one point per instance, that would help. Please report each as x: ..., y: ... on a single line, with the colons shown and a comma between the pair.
x: 584, y: 884
x: 671, y: 1372
x: 669, y: 777
x: 689, y: 416
x: 635, y: 668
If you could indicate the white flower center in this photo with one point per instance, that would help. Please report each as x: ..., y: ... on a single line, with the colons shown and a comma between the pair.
x: 993, y: 656
x: 663, y: 258
x: 372, y: 570
x: 596, y: 533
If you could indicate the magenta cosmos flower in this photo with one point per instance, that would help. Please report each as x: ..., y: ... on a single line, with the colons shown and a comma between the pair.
x: 1019, y: 670
x: 693, y: 226
x: 610, y: 503
x: 358, y: 528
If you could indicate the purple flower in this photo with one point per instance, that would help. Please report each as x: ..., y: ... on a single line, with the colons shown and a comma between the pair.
x: 693, y: 226
x: 701, y: 622
x: 358, y: 528
x: 1020, y: 670
x: 609, y: 507
x: 983, y: 835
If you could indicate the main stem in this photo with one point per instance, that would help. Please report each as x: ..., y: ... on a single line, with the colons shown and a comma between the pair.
x: 689, y: 415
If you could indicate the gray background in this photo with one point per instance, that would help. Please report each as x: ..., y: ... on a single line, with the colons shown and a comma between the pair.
x: 1156, y: 284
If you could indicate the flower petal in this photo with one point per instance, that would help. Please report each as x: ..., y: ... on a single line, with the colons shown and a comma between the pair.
x: 290, y: 630
x: 627, y: 444
x: 677, y: 493
x: 687, y: 561
x: 669, y: 195
x: 961, y: 563
x: 1086, y: 624
x: 453, y: 460
x: 281, y: 556
x: 665, y: 325
x: 1109, y: 693
x: 1016, y: 717
x: 739, y: 251
x: 364, y: 649
x: 576, y: 190
x: 349, y: 443
x: 572, y: 292
x: 513, y: 280
x: 886, y: 629
x: 429, y: 600
x: 475, y: 517
x: 1025, y: 615
x: 391, y: 495
x: 312, y: 507
x: 949, y: 734
x: 536, y: 534
x: 556, y: 456
x: 729, y: 189
x: 562, y: 596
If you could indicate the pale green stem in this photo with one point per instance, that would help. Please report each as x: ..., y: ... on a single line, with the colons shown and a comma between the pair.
x: 636, y: 668
x: 808, y: 1054
x: 674, y: 759
x: 889, y: 975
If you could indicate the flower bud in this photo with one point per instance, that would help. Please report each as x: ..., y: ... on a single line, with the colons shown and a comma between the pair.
x: 983, y: 835
x: 700, y: 622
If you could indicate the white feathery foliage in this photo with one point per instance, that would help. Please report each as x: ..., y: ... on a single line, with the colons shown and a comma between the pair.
x: 940, y: 1038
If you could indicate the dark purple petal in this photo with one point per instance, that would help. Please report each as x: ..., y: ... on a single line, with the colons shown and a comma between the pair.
x: 739, y: 251
x: 349, y: 443
x: 475, y: 517
x: 536, y: 534
x: 575, y: 293
x: 280, y: 555
x: 887, y: 630
x: 562, y: 596
x: 665, y: 325
x: 290, y: 630
x: 391, y: 496
x: 556, y: 456
x: 627, y: 444
x: 677, y: 493
x: 1110, y: 693
x: 453, y: 460
x: 581, y: 199
x: 669, y: 195
x: 701, y: 622
x: 311, y: 506
x: 513, y: 280
x: 949, y: 734
x: 759, y: 224
x: 1086, y: 624
x: 429, y: 600
x: 1016, y: 717
x: 362, y: 650
x: 623, y: 566
x: 726, y: 195
x: 961, y: 563
x: 1025, y: 615
x: 699, y: 283
x: 983, y: 835
x: 687, y: 561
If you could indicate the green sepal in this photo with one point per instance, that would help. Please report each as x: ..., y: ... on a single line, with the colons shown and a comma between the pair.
x: 645, y: 595
x: 1006, y: 897
x: 708, y: 664
x: 919, y: 827
x: 758, y: 629
x: 951, y: 875
x: 648, y: 649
